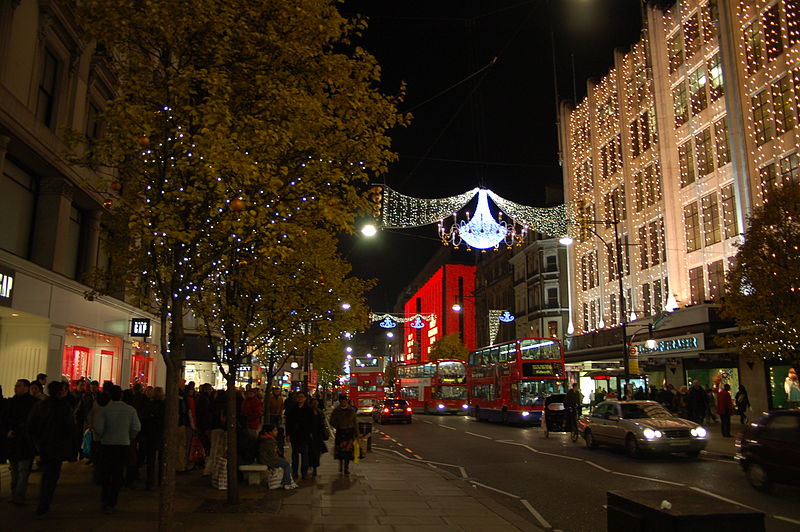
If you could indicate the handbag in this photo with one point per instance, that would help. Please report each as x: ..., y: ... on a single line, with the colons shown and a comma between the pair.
x: 275, y: 478
x: 86, y: 444
x: 197, y: 453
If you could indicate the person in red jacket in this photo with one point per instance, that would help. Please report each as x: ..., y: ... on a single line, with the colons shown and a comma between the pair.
x: 725, y: 409
x: 252, y: 410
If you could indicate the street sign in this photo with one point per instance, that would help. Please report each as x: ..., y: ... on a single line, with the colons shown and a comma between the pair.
x: 634, y: 351
x: 313, y: 378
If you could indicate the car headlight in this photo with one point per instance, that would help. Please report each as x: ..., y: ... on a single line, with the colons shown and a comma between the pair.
x: 698, y: 432
x: 440, y: 406
x: 526, y: 414
x: 651, y: 434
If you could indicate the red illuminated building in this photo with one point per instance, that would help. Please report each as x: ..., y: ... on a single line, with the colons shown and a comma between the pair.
x: 450, y: 284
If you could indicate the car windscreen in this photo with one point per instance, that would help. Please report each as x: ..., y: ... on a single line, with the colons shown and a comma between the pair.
x: 644, y: 410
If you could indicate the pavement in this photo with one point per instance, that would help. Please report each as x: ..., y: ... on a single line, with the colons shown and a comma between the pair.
x: 382, y: 493
x: 719, y: 445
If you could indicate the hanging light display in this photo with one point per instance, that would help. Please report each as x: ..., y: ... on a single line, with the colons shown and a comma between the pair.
x: 482, y: 230
x: 495, y: 317
x: 390, y: 321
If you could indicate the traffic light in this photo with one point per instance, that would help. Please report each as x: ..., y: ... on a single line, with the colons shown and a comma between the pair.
x: 376, y: 199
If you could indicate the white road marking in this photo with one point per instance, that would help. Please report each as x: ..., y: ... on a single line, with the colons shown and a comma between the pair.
x: 478, y: 435
x: 507, y: 494
x: 537, y: 515
x: 428, y: 422
x: 429, y: 462
x: 418, y: 457
x: 601, y: 468
x: 793, y: 521
x: 647, y: 478
x: 448, y: 428
x: 409, y: 451
x: 720, y: 497
x: 564, y: 456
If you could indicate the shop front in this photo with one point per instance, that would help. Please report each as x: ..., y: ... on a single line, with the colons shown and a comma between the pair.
x: 143, y: 364
x: 91, y: 355
x: 783, y: 384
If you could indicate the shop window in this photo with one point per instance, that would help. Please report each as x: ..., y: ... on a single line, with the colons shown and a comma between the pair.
x: 17, y: 203
x: 143, y: 365
x: 784, y: 388
x: 91, y: 355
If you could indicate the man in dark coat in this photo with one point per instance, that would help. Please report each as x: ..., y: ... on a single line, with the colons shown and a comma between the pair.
x: 300, y: 421
x: 19, y: 447
x: 696, y: 402
x: 51, y: 427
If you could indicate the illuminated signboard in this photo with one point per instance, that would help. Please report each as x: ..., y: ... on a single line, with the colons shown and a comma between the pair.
x: 672, y: 345
x: 140, y: 327
x: 6, y: 286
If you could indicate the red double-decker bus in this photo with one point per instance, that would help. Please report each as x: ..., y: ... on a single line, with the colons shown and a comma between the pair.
x: 508, y: 382
x: 366, y: 386
x: 436, y: 386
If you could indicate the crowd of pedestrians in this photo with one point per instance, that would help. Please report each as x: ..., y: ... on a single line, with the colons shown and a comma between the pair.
x: 120, y: 432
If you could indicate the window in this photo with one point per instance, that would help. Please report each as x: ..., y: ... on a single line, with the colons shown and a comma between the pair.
x: 552, y: 329
x: 585, y: 273
x: 721, y: 139
x: 93, y: 121
x: 646, y: 302
x: 730, y: 227
x: 792, y: 8
x: 752, y: 42
x: 697, y: 291
x: 708, y: 17
x: 676, y: 53
x: 762, y: 121
x: 657, y: 298
x: 716, y: 280
x: 635, y: 138
x: 48, y: 85
x: 551, y: 263
x: 593, y: 316
x: 691, y: 35
x: 17, y: 203
x: 585, y: 317
x: 644, y: 259
x: 552, y: 298
x: 783, y: 105
x: 790, y: 172
x: 705, y: 154
x: 680, y: 103
x: 657, y: 248
x: 714, y: 66
x: 711, y: 228
x: 769, y: 177
x: 772, y: 32
x: 691, y: 221
x: 652, y: 183
x: 613, y: 307
x: 686, y: 160
x: 638, y: 192
x: 697, y: 90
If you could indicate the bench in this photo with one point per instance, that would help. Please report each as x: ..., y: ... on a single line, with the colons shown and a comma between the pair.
x: 253, y: 473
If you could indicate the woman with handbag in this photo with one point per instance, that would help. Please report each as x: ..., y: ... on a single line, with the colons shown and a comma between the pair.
x: 319, y: 435
x: 343, y: 420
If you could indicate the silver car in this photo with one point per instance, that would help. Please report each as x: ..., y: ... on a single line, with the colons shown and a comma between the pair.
x: 641, y: 426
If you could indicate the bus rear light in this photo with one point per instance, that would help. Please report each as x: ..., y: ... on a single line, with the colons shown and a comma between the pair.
x: 385, y: 410
x: 408, y: 409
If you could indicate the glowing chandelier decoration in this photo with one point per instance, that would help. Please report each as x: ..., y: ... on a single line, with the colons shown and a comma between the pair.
x: 481, y: 231
x: 495, y: 317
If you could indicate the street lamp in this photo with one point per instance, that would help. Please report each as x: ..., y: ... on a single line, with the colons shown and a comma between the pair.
x: 369, y: 230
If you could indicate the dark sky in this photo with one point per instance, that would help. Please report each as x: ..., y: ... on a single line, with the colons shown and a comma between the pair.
x: 496, y: 129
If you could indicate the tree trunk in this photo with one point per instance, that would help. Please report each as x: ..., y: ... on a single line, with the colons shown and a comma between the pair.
x: 232, y: 425
x: 172, y: 353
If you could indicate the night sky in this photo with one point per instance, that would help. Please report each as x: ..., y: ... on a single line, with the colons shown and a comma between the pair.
x: 496, y: 129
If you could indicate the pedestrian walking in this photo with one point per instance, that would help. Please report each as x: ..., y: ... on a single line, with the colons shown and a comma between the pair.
x: 299, y: 429
x: 18, y: 446
x: 268, y: 455
x: 343, y: 420
x: 742, y: 403
x: 152, y: 436
x: 273, y: 407
x: 319, y: 435
x: 696, y: 402
x: 117, y: 426
x: 725, y: 409
x: 51, y: 427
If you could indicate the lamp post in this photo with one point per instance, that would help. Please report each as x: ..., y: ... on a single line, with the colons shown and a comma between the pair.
x: 651, y: 343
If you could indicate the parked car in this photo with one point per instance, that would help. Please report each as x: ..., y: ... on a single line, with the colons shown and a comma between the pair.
x: 392, y: 410
x: 641, y: 426
x: 769, y: 450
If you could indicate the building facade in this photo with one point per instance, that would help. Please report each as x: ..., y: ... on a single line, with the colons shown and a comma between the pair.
x: 51, y: 81
x: 665, y: 158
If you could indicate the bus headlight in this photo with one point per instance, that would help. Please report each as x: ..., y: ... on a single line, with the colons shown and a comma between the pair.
x: 698, y: 432
x: 465, y: 406
x: 651, y: 434
x: 440, y: 406
x: 526, y: 414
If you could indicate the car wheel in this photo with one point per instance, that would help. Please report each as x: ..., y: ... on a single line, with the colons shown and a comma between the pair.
x: 758, y: 477
x: 588, y: 437
x: 631, y: 446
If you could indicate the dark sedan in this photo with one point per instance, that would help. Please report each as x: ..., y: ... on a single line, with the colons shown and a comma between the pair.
x: 769, y: 450
x: 392, y: 410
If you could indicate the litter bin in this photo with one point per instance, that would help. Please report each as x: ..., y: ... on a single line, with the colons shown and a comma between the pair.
x: 678, y: 509
x: 365, y: 433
